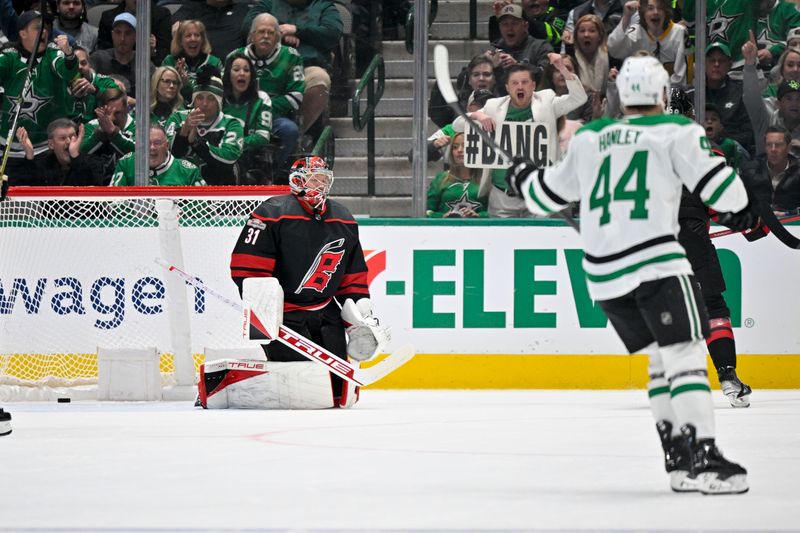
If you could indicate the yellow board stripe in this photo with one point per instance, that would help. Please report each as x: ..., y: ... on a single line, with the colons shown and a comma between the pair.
x: 507, y: 371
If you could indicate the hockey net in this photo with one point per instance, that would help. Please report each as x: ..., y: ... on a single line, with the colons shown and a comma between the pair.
x: 78, y: 272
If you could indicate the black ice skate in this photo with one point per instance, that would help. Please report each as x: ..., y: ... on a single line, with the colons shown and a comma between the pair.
x: 676, y: 459
x: 714, y: 473
x: 5, y: 423
x: 737, y: 392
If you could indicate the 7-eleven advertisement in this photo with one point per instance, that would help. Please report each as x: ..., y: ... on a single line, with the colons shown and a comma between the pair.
x: 505, y: 289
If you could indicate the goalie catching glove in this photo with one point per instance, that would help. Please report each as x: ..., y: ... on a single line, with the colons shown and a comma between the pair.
x: 366, y: 338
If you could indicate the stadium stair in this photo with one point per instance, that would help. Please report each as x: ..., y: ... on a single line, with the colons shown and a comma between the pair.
x: 394, y: 118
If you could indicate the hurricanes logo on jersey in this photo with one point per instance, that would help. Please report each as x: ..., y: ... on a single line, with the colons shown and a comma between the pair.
x: 323, y: 267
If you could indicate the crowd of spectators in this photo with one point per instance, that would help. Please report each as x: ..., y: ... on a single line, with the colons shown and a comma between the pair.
x: 236, y: 87
x: 572, y: 50
x: 233, y: 87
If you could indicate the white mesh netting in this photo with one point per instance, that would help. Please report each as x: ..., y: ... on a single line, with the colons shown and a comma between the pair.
x: 78, y: 273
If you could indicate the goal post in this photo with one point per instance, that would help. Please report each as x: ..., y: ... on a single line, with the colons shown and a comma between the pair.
x: 78, y: 274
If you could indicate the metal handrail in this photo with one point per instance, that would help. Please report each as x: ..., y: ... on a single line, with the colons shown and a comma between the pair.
x: 473, y: 19
x: 374, y: 94
x: 433, y: 8
x: 320, y: 147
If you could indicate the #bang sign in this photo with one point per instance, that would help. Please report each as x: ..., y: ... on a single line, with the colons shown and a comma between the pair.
x: 517, y: 138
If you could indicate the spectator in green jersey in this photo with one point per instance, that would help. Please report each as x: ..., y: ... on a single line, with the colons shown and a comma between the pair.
x: 279, y: 70
x: 190, y: 50
x: 112, y: 134
x: 787, y: 69
x: 85, y: 88
x: 253, y: 108
x: 454, y: 192
x: 734, y: 153
x: 44, y: 100
x: 313, y: 28
x: 205, y: 135
x: 164, y: 168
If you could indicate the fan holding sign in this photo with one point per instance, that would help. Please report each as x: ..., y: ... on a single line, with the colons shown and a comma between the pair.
x: 537, y: 138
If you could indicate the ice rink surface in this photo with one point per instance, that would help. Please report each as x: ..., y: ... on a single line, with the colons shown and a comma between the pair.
x: 502, y: 461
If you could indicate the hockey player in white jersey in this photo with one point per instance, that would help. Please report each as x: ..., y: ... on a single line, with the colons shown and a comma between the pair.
x: 627, y: 175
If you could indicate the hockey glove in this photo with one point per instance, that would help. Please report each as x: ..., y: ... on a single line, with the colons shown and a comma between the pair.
x: 695, y: 225
x: 517, y: 173
x: 745, y: 219
x: 366, y: 337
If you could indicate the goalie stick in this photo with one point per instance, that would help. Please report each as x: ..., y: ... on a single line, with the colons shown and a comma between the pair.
x: 441, y: 65
x: 723, y: 233
x: 342, y: 368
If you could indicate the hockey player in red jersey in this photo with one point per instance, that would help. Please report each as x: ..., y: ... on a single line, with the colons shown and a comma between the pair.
x: 694, y: 217
x: 310, y: 244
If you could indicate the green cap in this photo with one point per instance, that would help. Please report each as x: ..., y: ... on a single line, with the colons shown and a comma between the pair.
x: 722, y: 47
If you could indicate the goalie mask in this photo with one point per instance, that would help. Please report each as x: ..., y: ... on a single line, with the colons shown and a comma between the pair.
x: 643, y: 81
x: 310, y: 180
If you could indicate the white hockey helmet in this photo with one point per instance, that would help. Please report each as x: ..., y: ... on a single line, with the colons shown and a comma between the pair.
x: 310, y: 180
x: 643, y: 80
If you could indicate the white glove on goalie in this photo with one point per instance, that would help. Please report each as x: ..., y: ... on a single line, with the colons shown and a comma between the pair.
x: 366, y: 337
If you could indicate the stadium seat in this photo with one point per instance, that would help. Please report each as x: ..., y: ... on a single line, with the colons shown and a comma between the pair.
x: 94, y: 13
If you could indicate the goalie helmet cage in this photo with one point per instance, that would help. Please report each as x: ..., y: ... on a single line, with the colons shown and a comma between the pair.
x: 78, y: 273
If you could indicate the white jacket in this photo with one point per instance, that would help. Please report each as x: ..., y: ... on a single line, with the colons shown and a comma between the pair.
x: 670, y: 45
x: 546, y: 107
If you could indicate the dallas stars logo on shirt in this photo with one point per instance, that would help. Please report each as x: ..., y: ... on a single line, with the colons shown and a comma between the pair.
x: 463, y: 202
x: 718, y: 26
x: 763, y: 36
x: 31, y: 104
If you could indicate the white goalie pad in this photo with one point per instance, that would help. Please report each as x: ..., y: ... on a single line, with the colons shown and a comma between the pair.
x: 366, y: 338
x: 254, y: 384
x: 263, y: 309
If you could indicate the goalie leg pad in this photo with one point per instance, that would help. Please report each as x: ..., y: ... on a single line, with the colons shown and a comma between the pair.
x: 350, y: 395
x: 251, y: 384
x: 263, y: 314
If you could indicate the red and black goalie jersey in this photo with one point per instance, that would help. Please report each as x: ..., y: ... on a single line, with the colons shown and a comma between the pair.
x: 315, y: 256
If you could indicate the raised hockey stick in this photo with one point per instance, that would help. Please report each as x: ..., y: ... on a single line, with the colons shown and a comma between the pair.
x: 723, y: 233
x: 342, y: 368
x: 441, y: 65
x: 19, y: 101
